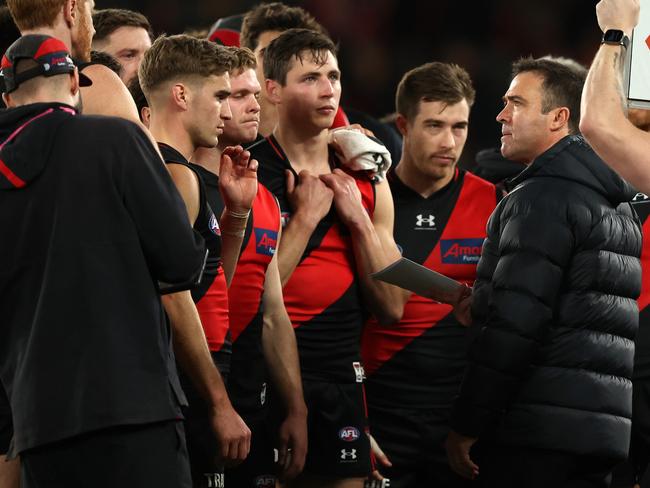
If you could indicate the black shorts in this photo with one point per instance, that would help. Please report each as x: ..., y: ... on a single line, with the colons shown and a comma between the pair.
x: 414, y: 442
x: 338, y: 446
x: 6, y: 424
x: 259, y: 468
x: 202, y: 443
x: 134, y: 456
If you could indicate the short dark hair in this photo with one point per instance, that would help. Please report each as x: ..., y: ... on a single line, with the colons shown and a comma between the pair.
x: 244, y: 59
x: 433, y: 82
x: 274, y: 16
x: 182, y: 56
x: 291, y: 45
x: 108, y: 20
x: 105, y: 59
x: 563, y: 80
x: 138, y: 95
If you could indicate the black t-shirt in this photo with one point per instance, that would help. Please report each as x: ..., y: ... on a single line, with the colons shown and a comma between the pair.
x: 84, y: 343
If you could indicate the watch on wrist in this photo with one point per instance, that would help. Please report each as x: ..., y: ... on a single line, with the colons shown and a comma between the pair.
x: 615, y: 37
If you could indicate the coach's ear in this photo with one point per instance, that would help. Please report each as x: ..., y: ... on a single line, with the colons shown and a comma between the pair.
x: 402, y: 124
x: 274, y: 91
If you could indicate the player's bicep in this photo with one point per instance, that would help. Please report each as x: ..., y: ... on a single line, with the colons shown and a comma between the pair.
x: 187, y: 184
x: 384, y: 219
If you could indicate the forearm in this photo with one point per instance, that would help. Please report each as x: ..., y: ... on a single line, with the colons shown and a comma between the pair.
x: 604, y: 122
x: 233, y: 228
x: 603, y: 105
x: 385, y: 301
x: 281, y: 355
x: 191, y: 348
x: 295, y: 237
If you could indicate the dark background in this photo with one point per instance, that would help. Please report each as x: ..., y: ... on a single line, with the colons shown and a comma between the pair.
x: 381, y: 39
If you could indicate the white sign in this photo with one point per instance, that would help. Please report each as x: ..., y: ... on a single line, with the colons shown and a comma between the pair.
x: 637, y: 72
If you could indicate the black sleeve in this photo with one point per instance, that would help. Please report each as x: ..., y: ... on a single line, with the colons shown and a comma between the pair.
x: 531, y: 249
x: 174, y: 251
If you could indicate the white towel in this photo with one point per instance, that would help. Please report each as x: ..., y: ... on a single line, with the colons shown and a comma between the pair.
x: 360, y: 152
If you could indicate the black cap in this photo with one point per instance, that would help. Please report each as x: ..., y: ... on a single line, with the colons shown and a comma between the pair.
x: 51, y: 57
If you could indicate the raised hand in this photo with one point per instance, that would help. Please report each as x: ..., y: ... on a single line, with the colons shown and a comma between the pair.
x: 238, y: 179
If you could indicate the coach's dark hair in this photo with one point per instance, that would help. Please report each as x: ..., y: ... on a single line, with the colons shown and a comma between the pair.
x: 274, y: 16
x: 294, y: 44
x: 108, y: 20
x: 563, y: 80
x: 433, y: 82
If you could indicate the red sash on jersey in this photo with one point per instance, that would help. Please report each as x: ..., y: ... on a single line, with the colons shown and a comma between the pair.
x: 213, y: 311
x: 644, y: 298
x: 247, y: 287
x: 328, y: 272
x: 458, y: 244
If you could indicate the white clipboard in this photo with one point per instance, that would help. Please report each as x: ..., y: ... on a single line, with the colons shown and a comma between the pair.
x: 414, y: 277
x: 637, y: 64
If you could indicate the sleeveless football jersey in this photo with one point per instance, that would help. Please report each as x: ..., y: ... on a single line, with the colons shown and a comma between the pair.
x: 248, y: 375
x: 322, y: 296
x: 420, y: 360
x: 211, y: 295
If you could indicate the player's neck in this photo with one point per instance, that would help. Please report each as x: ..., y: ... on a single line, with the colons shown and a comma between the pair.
x: 59, y: 30
x: 268, y: 117
x: 306, y: 150
x: 424, y: 185
x: 209, y: 158
x: 168, y: 130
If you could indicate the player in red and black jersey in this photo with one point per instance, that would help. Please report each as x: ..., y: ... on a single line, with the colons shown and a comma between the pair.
x: 187, y: 85
x: 337, y: 230
x: 259, y: 325
x: 414, y: 367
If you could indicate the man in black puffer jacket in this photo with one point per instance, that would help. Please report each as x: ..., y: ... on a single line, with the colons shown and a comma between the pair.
x: 548, y: 386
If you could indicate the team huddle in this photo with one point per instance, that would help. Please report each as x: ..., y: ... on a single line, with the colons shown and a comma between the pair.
x: 192, y: 223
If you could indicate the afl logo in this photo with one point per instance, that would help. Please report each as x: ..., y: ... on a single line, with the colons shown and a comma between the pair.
x: 349, y: 434
x: 214, y: 225
x: 265, y: 481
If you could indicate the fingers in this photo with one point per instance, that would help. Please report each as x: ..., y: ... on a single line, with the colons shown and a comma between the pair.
x: 462, y: 464
x: 291, y: 181
x: 382, y: 458
x: 376, y: 475
x: 293, y: 460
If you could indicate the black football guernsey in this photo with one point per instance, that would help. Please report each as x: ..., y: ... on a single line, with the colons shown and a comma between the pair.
x: 419, y: 362
x: 322, y: 296
x: 248, y: 375
x: 211, y: 294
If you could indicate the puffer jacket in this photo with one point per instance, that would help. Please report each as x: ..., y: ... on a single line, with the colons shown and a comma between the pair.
x: 551, y: 354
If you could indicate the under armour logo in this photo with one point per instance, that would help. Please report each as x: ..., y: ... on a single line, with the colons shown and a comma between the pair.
x: 431, y: 220
x: 214, y: 480
x: 351, y: 454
